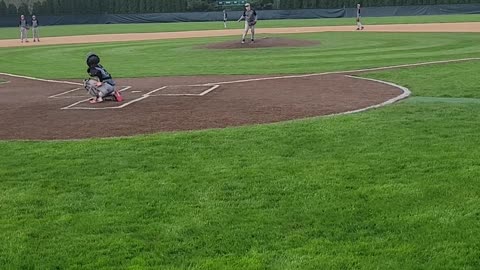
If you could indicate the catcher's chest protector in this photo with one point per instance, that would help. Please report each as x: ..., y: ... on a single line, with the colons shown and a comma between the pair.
x: 102, y: 74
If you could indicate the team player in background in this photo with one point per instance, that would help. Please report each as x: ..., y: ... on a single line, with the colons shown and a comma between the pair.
x: 23, y: 28
x: 225, y: 18
x: 359, y: 18
x: 35, y: 30
x: 250, y: 17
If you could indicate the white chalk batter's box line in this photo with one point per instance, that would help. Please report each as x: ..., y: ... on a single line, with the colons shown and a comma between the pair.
x: 212, y: 88
x: 69, y: 107
x: 64, y: 94
x: 153, y: 93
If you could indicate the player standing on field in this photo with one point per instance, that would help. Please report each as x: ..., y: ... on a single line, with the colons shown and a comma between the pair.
x: 250, y: 17
x: 23, y: 28
x: 35, y: 30
x: 359, y: 18
x: 225, y: 18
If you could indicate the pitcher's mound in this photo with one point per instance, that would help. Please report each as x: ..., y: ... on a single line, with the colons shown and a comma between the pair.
x: 264, y: 42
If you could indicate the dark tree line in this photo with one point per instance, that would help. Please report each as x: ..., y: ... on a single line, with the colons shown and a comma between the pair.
x: 11, y: 9
x: 67, y: 7
x: 61, y: 7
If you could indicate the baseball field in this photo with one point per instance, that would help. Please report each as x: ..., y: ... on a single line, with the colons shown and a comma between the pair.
x: 356, y: 150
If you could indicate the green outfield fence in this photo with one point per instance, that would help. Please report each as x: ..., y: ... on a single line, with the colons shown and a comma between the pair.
x: 77, y: 7
x: 274, y: 14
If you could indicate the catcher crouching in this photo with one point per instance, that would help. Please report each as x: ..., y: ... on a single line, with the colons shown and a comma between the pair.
x: 100, y: 86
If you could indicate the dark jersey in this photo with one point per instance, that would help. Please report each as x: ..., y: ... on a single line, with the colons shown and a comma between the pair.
x: 250, y: 16
x: 35, y: 23
x: 101, y: 73
x: 23, y: 23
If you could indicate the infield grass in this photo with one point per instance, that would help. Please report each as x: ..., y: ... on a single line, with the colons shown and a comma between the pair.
x: 76, y: 30
x: 335, y: 51
x: 392, y: 188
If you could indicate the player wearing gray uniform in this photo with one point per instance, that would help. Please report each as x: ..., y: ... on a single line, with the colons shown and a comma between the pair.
x: 35, y: 30
x: 104, y: 85
x: 250, y: 17
x: 23, y: 29
x: 225, y: 18
x: 359, y: 18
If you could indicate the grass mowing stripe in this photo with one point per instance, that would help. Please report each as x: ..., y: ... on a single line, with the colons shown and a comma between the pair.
x: 462, y: 84
x: 68, y: 30
x: 184, y: 57
x: 395, y: 187
x: 206, y: 199
x: 443, y: 100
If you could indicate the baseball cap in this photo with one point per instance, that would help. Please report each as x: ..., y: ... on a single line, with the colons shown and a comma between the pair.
x: 247, y: 4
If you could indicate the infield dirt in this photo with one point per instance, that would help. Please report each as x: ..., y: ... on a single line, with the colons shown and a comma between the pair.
x: 44, y: 110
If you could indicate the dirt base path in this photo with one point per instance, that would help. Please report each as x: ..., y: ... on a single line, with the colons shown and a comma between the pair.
x: 42, y: 110
x: 432, y: 27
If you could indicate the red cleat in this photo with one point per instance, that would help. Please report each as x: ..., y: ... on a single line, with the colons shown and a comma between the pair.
x: 118, y: 96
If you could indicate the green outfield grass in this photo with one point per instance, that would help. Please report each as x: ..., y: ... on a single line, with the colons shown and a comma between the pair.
x: 75, y: 30
x: 460, y: 88
x: 336, y: 51
x: 391, y: 188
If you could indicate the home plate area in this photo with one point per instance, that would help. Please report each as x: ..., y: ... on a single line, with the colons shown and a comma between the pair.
x: 48, y: 109
x: 131, y: 96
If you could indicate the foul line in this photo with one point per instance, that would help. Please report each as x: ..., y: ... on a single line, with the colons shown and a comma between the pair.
x: 281, y: 77
x: 38, y: 79
x: 217, y: 84
x: 201, y: 94
x: 340, y: 72
x: 63, y: 93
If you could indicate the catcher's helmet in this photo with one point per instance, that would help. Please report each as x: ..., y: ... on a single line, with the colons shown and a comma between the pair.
x: 92, y: 59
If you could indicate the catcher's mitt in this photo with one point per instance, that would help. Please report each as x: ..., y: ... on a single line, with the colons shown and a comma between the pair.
x: 91, y: 86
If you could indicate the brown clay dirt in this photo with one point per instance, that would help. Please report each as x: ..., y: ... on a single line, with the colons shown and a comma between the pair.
x: 263, y: 42
x: 33, y: 109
